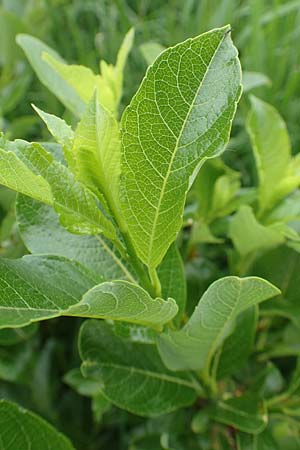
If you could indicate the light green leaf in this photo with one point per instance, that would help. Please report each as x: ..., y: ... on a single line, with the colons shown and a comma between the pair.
x: 246, y: 413
x: 34, y: 49
x: 272, y: 150
x: 252, y: 80
x: 194, y: 346
x: 248, y: 235
x: 132, y: 375
x: 76, y: 205
x: 172, y: 279
x: 41, y: 233
x: 121, y: 300
x: 40, y: 287
x: 97, y: 152
x: 23, y: 430
x: 180, y: 116
x: 62, y: 133
x: 82, y: 385
x: 150, y: 51
x: 16, y: 175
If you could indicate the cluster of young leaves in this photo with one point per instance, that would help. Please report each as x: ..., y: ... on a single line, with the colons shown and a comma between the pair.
x: 100, y: 210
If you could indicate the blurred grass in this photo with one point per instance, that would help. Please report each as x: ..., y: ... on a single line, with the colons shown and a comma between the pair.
x: 83, y: 31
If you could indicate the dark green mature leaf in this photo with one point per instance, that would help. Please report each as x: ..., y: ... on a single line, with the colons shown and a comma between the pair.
x: 41, y: 232
x: 132, y: 375
x: 172, y: 278
x: 270, y: 266
x: 246, y: 413
x: 40, y: 287
x: 194, y: 345
x: 23, y: 430
x: 262, y: 441
x: 239, y: 345
x: 121, y: 300
x: 180, y: 116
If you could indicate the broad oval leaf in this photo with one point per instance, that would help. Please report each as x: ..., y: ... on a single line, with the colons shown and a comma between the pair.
x: 194, y: 346
x: 40, y: 287
x: 22, y: 430
x: 121, y: 300
x: 132, y: 375
x: 42, y: 233
x: 245, y: 413
x: 180, y: 116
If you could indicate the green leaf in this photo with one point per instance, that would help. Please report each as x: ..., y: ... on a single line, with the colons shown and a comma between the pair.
x: 172, y: 279
x: 246, y: 413
x: 62, y: 133
x: 272, y: 151
x: 262, y: 441
x: 270, y: 267
x: 248, y: 235
x: 17, y: 176
x: 252, y: 80
x: 180, y: 116
x: 75, y: 204
x: 23, y: 430
x: 41, y: 233
x: 132, y: 375
x: 45, y: 294
x: 194, y: 346
x: 82, y: 385
x: 121, y: 300
x: 14, y: 362
x: 97, y: 152
x: 150, y: 51
x: 40, y: 287
x: 34, y: 50
x: 239, y: 345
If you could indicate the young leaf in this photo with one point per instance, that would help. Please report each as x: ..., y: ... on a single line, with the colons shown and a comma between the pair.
x: 132, y: 375
x: 97, y: 152
x: 42, y: 233
x: 246, y: 413
x: 272, y: 150
x: 23, y: 430
x: 62, y: 133
x: 180, y: 116
x: 17, y: 176
x: 172, y: 279
x: 193, y: 347
x: 121, y: 300
x: 248, y: 235
x: 34, y: 50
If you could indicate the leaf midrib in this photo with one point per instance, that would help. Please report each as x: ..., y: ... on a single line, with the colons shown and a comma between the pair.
x: 156, y: 375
